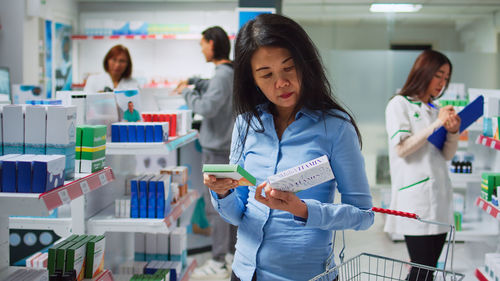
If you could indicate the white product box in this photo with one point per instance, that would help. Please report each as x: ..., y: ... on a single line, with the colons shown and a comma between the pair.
x: 178, y: 241
x: 162, y: 241
x: 180, y: 175
x: 303, y: 176
x: 13, y: 129
x: 151, y: 246
x: 35, y: 125
x: 61, y: 135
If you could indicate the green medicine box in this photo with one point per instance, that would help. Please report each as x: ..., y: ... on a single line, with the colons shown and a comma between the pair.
x: 232, y: 171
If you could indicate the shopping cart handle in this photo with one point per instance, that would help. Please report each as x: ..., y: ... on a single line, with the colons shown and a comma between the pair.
x: 395, y: 213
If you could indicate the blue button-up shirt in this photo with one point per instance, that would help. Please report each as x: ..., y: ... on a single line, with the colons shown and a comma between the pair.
x: 273, y: 243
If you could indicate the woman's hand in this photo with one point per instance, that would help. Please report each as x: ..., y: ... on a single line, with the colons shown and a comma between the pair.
x: 220, y: 186
x: 452, y: 125
x: 181, y: 86
x: 445, y: 112
x: 281, y: 200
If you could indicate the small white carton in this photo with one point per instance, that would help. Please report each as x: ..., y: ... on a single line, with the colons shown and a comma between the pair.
x: 61, y: 135
x: 35, y: 129
x: 303, y: 176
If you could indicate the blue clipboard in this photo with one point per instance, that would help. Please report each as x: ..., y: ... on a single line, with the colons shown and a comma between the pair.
x: 468, y: 115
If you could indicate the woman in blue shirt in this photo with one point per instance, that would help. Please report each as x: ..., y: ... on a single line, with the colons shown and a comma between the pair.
x: 288, y: 116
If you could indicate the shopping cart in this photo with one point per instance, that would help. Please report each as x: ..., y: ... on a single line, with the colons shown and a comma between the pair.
x: 374, y: 267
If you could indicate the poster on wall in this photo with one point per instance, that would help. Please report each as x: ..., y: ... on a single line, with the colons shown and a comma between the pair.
x: 48, y: 58
x: 62, y: 57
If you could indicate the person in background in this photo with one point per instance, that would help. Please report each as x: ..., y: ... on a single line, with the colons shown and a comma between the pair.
x: 287, y: 115
x: 118, y: 66
x: 131, y: 115
x: 212, y: 99
x: 419, y: 174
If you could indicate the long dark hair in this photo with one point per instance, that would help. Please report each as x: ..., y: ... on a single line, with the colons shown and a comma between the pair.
x: 115, y: 51
x: 221, y: 46
x: 279, y: 31
x: 425, y: 67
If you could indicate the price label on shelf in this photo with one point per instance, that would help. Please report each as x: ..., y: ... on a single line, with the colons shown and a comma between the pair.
x: 488, y: 209
x: 103, y: 179
x: 484, y: 141
x: 63, y: 194
x: 84, y: 185
x: 493, y: 143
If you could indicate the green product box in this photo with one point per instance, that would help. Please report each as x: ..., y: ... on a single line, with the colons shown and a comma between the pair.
x: 458, y: 221
x: 95, y: 256
x: 61, y: 253
x: 51, y: 262
x: 93, y: 136
x: 75, y: 257
x: 78, y: 143
x: 232, y: 171
x: 487, y: 185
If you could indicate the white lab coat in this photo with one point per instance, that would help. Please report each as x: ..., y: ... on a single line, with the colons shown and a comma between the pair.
x: 97, y: 83
x: 420, y: 181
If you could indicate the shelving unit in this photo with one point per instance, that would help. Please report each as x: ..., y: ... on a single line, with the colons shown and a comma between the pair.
x: 460, y: 180
x: 106, y: 222
x: 153, y: 148
x: 187, y: 36
x: 489, y: 208
x: 488, y: 142
x: 34, y: 204
x: 185, y: 275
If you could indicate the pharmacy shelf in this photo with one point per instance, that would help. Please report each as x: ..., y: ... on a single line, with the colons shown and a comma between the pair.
x: 105, y: 221
x: 481, y: 275
x: 489, y: 208
x: 195, y: 36
x: 36, y: 204
x: 152, y: 148
x: 488, y: 142
x: 6, y: 272
x: 61, y: 226
x: 460, y: 180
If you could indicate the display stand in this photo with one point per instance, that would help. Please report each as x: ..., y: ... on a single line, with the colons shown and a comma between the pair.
x: 34, y: 204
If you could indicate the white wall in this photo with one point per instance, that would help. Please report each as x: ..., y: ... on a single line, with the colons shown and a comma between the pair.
x: 170, y: 59
x: 11, y: 37
x: 379, y: 36
x: 480, y: 36
x: 19, y: 37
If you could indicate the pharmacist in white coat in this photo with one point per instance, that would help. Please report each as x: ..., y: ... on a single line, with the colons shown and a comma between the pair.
x: 118, y: 66
x: 419, y: 174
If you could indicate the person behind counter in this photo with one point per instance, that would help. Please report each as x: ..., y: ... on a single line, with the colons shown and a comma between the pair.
x: 118, y: 66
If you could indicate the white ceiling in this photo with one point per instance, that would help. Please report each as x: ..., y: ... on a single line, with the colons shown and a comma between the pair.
x: 434, y: 12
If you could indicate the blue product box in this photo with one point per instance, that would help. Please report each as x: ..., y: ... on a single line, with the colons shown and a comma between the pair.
x: 143, y: 196
x: 152, y: 198
x: 161, y: 132
x: 9, y: 179
x: 140, y: 133
x: 3, y: 158
x: 48, y: 172
x: 163, y: 195
x: 132, y: 133
x: 115, y: 133
x: 24, y: 173
x: 175, y: 270
x: 134, y: 197
x: 123, y: 132
x: 150, y: 135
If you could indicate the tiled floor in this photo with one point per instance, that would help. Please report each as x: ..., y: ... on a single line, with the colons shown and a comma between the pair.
x: 467, y: 257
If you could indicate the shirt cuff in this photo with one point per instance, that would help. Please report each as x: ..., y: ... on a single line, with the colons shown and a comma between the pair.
x: 313, y: 212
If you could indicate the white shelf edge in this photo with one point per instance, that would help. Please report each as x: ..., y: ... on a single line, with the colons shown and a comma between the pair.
x: 61, y: 226
x: 23, y: 204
